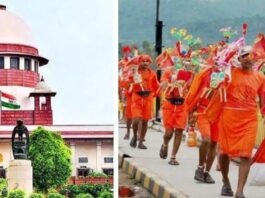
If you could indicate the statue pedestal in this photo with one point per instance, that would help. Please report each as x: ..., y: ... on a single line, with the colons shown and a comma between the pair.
x: 19, y: 175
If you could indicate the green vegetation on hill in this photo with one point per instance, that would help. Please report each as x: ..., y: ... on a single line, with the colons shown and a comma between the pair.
x: 201, y: 18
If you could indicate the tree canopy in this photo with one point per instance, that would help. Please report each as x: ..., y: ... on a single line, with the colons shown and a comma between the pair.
x: 51, y: 159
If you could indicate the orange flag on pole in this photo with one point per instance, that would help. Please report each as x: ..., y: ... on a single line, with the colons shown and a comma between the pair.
x: 259, y: 47
x: 166, y: 61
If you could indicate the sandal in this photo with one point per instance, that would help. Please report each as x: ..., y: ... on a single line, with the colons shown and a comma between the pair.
x: 173, y: 162
x: 163, y: 152
x: 127, y: 136
x: 133, y: 142
x: 208, y: 178
x: 227, y: 191
x: 240, y: 195
x: 141, y: 146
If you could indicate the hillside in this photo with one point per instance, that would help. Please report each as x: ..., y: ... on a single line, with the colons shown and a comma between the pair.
x: 202, y: 18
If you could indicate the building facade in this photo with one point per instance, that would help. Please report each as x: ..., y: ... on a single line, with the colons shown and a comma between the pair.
x: 24, y: 95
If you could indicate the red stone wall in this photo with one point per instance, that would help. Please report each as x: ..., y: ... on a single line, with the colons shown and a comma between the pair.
x: 43, y: 117
x: 18, y: 78
x: 19, y: 48
x: 29, y: 117
x: 10, y: 117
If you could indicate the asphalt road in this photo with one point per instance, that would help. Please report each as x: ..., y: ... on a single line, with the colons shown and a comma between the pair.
x: 181, y: 177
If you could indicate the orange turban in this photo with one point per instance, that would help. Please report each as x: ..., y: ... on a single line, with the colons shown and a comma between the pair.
x: 145, y: 57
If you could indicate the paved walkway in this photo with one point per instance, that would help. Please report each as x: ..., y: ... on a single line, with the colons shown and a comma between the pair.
x: 181, y: 177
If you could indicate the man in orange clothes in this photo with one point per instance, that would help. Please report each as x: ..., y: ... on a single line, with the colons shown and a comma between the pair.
x: 124, y: 94
x: 128, y: 114
x: 198, y: 99
x: 144, y: 87
x: 127, y: 110
x: 238, y: 120
x: 175, y: 85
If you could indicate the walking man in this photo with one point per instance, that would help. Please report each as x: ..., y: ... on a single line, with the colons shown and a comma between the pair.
x: 175, y: 86
x: 144, y: 85
x: 199, y: 96
x: 238, y: 120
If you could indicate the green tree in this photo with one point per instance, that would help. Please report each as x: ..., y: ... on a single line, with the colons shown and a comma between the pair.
x: 51, y: 159
x: 147, y: 48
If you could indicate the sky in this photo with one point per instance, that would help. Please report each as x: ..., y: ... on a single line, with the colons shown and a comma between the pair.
x: 78, y: 38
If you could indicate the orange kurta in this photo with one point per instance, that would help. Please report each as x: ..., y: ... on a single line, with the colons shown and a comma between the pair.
x: 142, y: 107
x: 194, y: 99
x: 238, y: 119
x: 128, y: 105
x: 174, y: 116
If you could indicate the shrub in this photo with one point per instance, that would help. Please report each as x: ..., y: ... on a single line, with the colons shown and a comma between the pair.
x: 105, y: 194
x: 70, y: 190
x: 37, y: 195
x: 55, y: 195
x: 17, y: 194
x: 73, y: 189
x: 85, y: 188
x: 98, y: 174
x: 84, y: 195
x: 3, y: 187
x: 52, y: 190
x: 93, y: 189
x: 108, y: 186
x: 63, y: 190
x: 96, y: 189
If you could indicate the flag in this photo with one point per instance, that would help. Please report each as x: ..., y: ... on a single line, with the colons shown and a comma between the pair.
x: 244, y: 29
x: 164, y: 60
x: 257, y: 172
x: 8, y: 101
x: 159, y: 58
x: 259, y: 156
x: 185, y: 75
x: 259, y: 47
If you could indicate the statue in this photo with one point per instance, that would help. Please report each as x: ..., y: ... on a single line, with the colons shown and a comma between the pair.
x: 20, y: 146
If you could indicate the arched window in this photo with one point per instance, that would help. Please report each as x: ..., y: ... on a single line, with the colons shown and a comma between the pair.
x: 2, y: 62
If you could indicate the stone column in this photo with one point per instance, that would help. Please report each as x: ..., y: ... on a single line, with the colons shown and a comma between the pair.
x: 22, y: 63
x: 7, y: 62
x: 98, y: 145
x: 73, y: 161
x: 37, y: 103
x: 20, y: 176
x: 48, y: 103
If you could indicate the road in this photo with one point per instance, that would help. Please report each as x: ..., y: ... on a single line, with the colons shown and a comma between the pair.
x: 181, y: 177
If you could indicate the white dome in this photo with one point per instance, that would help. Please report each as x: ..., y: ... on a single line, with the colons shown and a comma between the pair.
x: 13, y: 30
x: 42, y: 87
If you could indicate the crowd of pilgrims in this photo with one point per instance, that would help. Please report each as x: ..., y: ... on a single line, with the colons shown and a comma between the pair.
x: 216, y: 89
